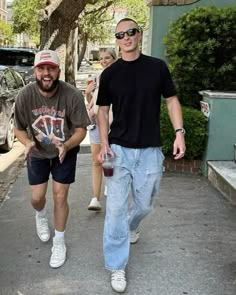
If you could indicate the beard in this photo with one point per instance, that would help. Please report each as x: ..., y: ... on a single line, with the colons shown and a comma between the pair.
x: 47, y: 88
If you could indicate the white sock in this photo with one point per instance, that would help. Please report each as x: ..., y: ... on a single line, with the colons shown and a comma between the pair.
x: 105, y: 190
x: 59, y: 234
x: 41, y: 213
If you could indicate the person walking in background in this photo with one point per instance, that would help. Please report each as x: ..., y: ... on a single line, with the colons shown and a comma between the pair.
x: 134, y: 86
x: 50, y: 120
x: 106, y: 56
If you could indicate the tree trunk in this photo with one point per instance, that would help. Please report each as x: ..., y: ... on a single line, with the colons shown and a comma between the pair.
x: 57, y: 20
x: 70, y: 59
x: 82, y: 48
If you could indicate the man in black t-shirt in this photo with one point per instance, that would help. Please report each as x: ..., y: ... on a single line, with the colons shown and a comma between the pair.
x: 133, y: 85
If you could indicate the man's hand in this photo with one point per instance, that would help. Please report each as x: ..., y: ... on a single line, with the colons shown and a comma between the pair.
x: 62, y: 150
x: 28, y: 148
x: 105, y: 150
x: 179, y: 146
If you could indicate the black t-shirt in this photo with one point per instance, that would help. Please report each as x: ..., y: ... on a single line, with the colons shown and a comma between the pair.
x: 134, y: 88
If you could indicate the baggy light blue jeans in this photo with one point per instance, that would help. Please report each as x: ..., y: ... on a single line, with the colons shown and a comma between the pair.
x: 139, y: 170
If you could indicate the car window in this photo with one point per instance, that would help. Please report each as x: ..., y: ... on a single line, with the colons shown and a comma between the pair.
x: 26, y: 60
x: 14, y: 58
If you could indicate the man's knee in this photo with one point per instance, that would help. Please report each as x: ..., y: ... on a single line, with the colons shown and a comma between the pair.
x: 37, y: 199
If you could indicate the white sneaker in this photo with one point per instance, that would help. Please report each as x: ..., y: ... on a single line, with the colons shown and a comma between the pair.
x: 134, y: 236
x: 42, y: 228
x: 58, y: 256
x: 94, y: 205
x: 118, y: 281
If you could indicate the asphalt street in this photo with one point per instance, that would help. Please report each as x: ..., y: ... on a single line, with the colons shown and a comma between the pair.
x: 187, y: 245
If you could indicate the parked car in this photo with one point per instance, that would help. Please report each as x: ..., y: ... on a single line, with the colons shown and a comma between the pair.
x: 20, y: 59
x: 11, y: 82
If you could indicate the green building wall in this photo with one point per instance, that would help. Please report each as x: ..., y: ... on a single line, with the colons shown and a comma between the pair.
x: 162, y: 16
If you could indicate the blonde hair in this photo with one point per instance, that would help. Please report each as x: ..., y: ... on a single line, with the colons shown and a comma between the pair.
x: 127, y: 19
x: 110, y: 51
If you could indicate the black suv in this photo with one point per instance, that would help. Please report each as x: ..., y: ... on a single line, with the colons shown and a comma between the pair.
x: 11, y: 83
x: 20, y: 59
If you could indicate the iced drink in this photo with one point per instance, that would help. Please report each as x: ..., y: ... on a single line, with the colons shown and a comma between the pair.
x: 107, y: 166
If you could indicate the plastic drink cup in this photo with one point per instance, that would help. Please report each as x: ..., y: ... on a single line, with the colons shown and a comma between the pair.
x: 107, y: 170
x: 108, y: 167
x: 89, y: 80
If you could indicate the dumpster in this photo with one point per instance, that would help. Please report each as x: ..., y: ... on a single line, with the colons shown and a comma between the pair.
x: 220, y: 110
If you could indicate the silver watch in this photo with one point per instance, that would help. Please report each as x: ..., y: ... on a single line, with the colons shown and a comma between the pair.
x: 180, y: 130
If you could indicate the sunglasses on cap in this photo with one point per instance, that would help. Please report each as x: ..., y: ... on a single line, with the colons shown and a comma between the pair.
x: 130, y: 32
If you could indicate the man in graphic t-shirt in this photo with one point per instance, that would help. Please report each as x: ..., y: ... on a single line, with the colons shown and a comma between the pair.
x: 50, y: 120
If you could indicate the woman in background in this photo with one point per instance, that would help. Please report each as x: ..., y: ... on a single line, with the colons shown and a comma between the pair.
x: 106, y: 56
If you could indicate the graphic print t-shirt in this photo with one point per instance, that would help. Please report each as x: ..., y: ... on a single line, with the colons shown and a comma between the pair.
x: 50, y: 120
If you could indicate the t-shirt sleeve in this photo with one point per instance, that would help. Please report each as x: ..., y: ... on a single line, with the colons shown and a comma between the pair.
x: 168, y: 87
x: 19, y: 114
x: 79, y: 116
x: 104, y: 96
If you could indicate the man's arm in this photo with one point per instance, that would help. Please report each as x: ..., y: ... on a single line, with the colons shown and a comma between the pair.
x: 103, y: 125
x: 74, y: 140
x: 175, y: 114
x: 23, y: 137
x: 77, y: 137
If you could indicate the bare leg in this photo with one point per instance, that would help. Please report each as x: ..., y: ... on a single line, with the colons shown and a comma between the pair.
x: 96, y: 171
x: 61, y: 207
x: 61, y: 212
x: 38, y: 195
x: 38, y: 201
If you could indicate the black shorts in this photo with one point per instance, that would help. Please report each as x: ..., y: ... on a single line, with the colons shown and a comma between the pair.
x: 39, y: 169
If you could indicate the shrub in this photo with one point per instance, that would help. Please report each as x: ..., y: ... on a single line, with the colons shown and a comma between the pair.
x: 196, y: 132
x: 201, y: 48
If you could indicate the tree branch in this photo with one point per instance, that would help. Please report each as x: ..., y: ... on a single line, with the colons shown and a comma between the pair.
x: 109, y: 3
x: 52, y: 5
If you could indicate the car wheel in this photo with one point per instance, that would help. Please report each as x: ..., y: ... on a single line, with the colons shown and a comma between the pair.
x: 10, y: 136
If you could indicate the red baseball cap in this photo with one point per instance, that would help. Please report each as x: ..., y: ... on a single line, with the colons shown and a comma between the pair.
x: 46, y: 57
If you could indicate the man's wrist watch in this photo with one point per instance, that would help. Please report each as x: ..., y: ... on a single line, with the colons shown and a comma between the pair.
x: 180, y: 130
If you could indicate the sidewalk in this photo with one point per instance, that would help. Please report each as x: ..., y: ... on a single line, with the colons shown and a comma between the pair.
x: 187, y: 245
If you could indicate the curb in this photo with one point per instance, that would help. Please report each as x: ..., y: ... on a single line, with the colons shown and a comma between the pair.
x: 85, y: 149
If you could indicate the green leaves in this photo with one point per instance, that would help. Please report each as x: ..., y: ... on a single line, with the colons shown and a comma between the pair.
x: 196, y: 132
x: 25, y: 16
x: 95, y: 21
x: 137, y: 10
x: 201, y: 48
x: 6, y: 33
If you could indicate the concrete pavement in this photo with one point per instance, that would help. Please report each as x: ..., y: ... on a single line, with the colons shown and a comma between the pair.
x: 187, y: 245
x: 6, y: 159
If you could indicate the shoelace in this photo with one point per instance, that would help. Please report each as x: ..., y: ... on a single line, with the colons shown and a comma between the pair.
x: 43, y: 223
x: 58, y: 251
x: 118, y: 275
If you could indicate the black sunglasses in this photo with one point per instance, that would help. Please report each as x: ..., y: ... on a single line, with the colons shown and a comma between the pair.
x: 130, y: 32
